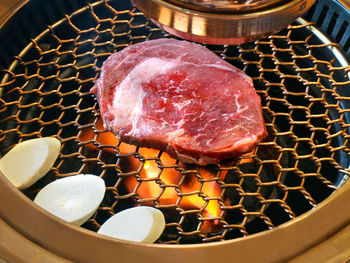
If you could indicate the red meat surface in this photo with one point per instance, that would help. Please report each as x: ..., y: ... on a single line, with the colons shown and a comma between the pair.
x: 181, y: 98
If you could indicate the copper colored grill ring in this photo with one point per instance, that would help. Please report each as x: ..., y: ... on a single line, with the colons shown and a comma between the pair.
x: 79, y: 245
x: 228, y: 7
x: 49, y: 96
x: 211, y: 27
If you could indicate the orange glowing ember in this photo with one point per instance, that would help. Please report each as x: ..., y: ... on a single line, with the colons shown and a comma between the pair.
x: 152, y: 177
x: 167, y: 186
x: 245, y: 158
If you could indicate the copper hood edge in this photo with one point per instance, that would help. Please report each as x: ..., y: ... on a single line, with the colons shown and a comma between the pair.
x: 216, y: 28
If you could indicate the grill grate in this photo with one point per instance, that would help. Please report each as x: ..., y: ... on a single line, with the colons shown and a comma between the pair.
x: 300, y: 75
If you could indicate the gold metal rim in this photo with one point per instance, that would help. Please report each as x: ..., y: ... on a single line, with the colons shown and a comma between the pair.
x: 214, y: 28
x: 227, y: 7
x: 18, y: 5
x: 16, y: 248
x: 74, y: 243
x: 67, y: 241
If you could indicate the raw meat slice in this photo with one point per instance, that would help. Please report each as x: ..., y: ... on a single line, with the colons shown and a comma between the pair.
x: 180, y: 98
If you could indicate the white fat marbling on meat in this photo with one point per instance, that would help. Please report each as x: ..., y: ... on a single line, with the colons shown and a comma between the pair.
x: 128, y: 99
x: 220, y: 66
x: 240, y: 109
x: 129, y: 96
x: 180, y: 105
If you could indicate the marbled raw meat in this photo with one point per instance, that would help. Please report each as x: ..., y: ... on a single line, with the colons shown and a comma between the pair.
x: 180, y: 98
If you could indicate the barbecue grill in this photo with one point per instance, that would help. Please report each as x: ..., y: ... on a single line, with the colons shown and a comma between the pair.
x: 273, y: 204
x: 223, y: 22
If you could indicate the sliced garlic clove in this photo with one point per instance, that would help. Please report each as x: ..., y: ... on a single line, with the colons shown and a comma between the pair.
x: 74, y: 199
x: 141, y: 224
x: 29, y: 161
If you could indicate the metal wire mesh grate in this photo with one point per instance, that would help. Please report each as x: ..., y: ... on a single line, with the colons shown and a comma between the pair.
x: 301, y: 77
